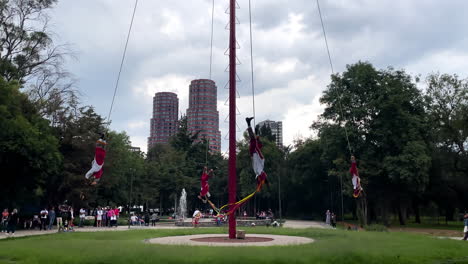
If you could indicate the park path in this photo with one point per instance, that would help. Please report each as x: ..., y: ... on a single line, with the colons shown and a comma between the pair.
x: 304, y: 224
x: 24, y: 233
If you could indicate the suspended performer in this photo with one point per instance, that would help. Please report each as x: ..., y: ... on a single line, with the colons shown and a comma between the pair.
x: 205, y: 187
x: 95, y: 172
x: 357, y: 189
x: 258, y: 161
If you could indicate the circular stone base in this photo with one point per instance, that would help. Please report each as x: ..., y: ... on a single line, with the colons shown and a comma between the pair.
x: 223, y: 240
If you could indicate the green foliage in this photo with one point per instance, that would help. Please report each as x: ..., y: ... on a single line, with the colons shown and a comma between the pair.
x: 28, y: 152
x: 384, y: 115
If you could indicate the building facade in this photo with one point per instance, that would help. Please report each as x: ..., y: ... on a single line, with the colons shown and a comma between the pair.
x: 202, y: 114
x: 165, y: 117
x: 276, y: 129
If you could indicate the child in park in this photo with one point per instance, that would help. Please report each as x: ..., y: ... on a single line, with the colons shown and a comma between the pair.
x: 196, y: 218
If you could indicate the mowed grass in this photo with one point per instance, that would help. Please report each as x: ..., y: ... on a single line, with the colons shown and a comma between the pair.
x: 331, y: 246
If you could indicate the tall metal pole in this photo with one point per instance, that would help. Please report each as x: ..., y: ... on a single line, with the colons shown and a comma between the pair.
x: 232, y: 116
x: 130, y: 197
x: 279, y: 196
x: 341, y: 189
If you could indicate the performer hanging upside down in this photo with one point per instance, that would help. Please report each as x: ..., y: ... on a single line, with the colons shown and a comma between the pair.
x: 258, y: 161
x: 95, y: 172
x: 357, y: 189
x: 205, y: 188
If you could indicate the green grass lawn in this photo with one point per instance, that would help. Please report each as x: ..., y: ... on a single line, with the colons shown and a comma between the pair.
x: 331, y: 246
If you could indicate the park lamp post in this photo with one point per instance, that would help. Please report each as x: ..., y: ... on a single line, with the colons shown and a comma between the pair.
x: 132, y: 172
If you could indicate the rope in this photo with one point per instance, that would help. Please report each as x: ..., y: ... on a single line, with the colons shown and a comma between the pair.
x: 211, y: 45
x: 121, y: 64
x: 339, y: 104
x: 333, y: 73
x: 251, y: 64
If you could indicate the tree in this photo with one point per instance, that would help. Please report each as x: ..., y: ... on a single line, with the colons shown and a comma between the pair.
x: 29, y: 153
x: 447, y: 99
x: 384, y: 114
x: 28, y: 54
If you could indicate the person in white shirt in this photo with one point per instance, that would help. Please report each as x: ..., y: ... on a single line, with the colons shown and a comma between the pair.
x: 99, y: 217
x: 196, y: 218
x: 134, y: 219
x: 82, y: 216
x: 44, y: 214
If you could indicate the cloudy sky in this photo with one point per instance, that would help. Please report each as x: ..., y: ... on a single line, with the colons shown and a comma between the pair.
x: 170, y: 45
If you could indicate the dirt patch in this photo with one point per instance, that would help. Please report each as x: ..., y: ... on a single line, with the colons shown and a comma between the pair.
x: 228, y: 240
x: 428, y: 231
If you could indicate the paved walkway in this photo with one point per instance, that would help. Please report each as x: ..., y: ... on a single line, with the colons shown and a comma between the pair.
x: 304, y: 224
x: 188, y: 240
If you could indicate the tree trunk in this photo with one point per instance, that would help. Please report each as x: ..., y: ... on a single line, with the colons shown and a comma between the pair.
x: 361, y: 209
x: 416, y: 211
x: 401, y: 214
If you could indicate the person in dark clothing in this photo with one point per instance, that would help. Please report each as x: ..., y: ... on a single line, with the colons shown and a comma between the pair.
x: 12, y: 222
x: 51, y: 217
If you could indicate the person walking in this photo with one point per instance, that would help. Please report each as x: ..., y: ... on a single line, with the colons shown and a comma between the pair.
x: 154, y: 219
x: 82, y: 216
x: 5, y: 216
x: 333, y: 220
x: 12, y: 222
x: 328, y: 217
x: 465, y: 229
x: 72, y: 217
x: 44, y: 214
x: 51, y: 218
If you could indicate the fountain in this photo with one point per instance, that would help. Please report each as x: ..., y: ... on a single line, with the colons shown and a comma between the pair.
x: 182, y: 210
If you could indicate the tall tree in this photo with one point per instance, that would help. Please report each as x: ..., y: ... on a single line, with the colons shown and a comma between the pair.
x: 447, y: 98
x: 29, y: 153
x: 28, y: 53
x: 384, y: 114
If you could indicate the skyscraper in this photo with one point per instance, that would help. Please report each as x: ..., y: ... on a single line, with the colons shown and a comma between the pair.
x: 276, y: 129
x: 164, y: 121
x: 202, y: 114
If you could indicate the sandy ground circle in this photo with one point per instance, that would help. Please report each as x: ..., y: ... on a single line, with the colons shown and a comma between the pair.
x: 223, y: 241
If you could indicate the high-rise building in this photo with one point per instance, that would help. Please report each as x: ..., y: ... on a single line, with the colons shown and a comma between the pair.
x: 164, y: 121
x: 202, y: 114
x: 276, y: 130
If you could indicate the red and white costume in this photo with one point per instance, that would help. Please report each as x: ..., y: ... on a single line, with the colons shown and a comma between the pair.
x: 356, y: 180
x: 98, y: 162
x: 258, y: 161
x: 205, y: 187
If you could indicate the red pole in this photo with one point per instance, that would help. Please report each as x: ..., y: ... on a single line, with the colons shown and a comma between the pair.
x: 232, y: 117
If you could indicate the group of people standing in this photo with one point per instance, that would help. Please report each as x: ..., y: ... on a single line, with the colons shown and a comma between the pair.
x: 9, y: 221
x: 330, y: 218
x: 107, y: 216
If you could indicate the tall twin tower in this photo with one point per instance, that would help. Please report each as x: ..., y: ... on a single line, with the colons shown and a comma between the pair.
x: 202, y: 115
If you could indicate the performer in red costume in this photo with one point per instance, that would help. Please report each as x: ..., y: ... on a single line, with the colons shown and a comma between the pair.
x: 95, y: 172
x: 357, y: 189
x: 258, y: 161
x: 205, y: 187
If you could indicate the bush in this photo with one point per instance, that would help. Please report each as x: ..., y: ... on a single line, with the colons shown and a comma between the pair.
x: 376, y: 228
